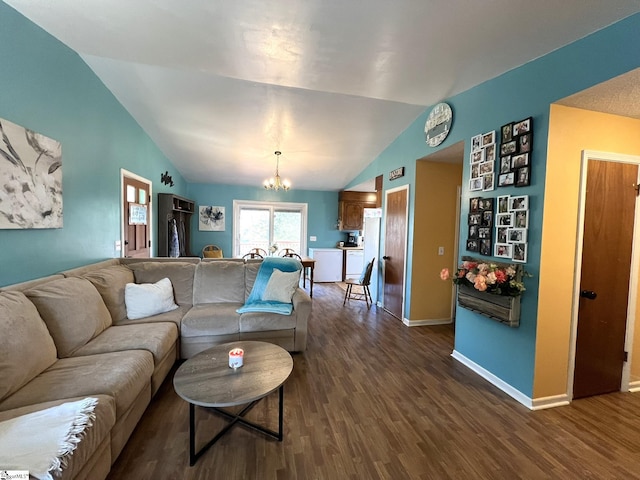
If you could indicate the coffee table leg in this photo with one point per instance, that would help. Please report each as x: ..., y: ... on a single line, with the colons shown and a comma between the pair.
x: 279, y: 435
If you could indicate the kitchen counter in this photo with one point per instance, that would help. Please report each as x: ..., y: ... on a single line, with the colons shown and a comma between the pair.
x: 351, y: 248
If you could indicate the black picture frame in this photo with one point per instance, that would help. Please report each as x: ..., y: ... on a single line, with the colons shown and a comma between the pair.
x: 485, y: 247
x: 473, y: 231
x: 507, y: 133
x: 520, y: 160
x: 475, y: 218
x: 506, y: 179
x: 484, y: 232
x: 524, y: 143
x: 522, y: 126
x: 473, y: 245
x: 474, y: 204
x: 508, y: 148
x: 487, y: 218
x: 485, y: 203
x: 505, y: 164
x: 523, y: 177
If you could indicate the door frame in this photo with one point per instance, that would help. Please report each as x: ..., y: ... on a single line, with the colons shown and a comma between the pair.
x: 635, y: 265
x: 123, y: 214
x: 406, y: 249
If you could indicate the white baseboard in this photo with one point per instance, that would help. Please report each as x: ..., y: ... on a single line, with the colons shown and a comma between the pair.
x: 634, y: 387
x: 420, y: 323
x: 532, y: 404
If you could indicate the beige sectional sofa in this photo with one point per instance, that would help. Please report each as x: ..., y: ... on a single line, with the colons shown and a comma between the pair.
x: 67, y: 336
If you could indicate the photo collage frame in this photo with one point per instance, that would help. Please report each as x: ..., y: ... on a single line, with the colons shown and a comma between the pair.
x: 483, y: 159
x: 516, y: 145
x: 512, y: 227
x: 480, y: 223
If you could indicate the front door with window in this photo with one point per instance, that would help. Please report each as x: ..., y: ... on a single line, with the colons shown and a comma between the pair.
x: 137, y: 217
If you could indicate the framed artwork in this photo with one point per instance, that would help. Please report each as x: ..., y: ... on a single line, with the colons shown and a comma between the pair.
x: 476, y: 184
x: 519, y: 252
x: 508, y: 148
x: 505, y: 164
x: 477, y: 156
x: 524, y: 143
x: 502, y: 234
x: 506, y: 179
x: 522, y: 177
x: 487, y: 182
x: 472, y: 245
x: 485, y: 203
x: 485, y: 246
x: 486, y: 167
x: 476, y: 143
x: 521, y: 202
x: 503, y: 250
x: 523, y: 126
x: 484, y: 232
x: 487, y: 219
x: 503, y: 204
x: 506, y: 219
x: 475, y: 170
x: 490, y: 153
x: 507, y: 133
x: 488, y: 138
x: 521, y: 219
x: 517, y: 235
x: 211, y: 219
x: 31, y: 173
x: 475, y: 218
x: 521, y: 160
x: 474, y: 204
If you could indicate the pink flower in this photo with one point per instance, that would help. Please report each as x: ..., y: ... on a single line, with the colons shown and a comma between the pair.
x: 501, y: 277
x: 444, y: 274
x: 467, y: 265
x: 491, y: 278
x: 471, y: 277
x: 480, y: 283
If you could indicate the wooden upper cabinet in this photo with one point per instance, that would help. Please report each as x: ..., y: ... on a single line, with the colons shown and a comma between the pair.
x: 351, y: 207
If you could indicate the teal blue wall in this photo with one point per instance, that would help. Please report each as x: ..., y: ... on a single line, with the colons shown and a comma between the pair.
x: 322, y: 212
x: 509, y: 353
x: 46, y: 87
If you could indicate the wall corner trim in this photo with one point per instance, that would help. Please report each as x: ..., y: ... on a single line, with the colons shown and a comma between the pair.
x: 421, y: 323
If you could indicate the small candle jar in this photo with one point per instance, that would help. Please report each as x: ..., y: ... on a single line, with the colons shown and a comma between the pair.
x: 236, y: 358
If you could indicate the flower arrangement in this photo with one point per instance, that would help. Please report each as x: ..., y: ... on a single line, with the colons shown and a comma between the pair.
x: 273, y: 248
x: 487, y: 277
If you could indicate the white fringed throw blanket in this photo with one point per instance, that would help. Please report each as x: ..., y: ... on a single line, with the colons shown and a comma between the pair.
x: 41, y: 442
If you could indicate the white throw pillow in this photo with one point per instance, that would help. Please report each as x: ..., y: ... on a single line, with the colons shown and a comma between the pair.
x: 281, y: 286
x: 146, y: 299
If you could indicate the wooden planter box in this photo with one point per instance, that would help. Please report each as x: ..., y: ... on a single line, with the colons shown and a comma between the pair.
x: 501, y: 308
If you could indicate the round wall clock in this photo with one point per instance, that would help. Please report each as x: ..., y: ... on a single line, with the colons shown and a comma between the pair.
x: 438, y: 124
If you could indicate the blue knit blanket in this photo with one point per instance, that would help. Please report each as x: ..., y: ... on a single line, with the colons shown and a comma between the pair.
x: 255, y: 303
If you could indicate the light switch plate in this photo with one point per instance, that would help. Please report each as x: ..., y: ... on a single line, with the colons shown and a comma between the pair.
x: 312, y: 238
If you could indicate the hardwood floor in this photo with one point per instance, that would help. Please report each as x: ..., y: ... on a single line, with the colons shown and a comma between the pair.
x: 374, y: 399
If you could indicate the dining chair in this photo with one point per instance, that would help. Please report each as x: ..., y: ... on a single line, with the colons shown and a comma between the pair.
x: 362, y: 282
x: 212, y: 251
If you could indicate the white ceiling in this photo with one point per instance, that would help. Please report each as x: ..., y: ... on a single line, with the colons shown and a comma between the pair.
x: 220, y: 85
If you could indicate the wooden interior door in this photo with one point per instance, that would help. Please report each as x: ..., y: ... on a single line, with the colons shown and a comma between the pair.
x: 604, y: 282
x: 137, y: 231
x: 395, y: 250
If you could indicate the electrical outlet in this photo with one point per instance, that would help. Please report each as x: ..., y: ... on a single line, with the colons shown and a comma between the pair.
x: 440, y: 250
x: 312, y: 238
x: 118, y: 246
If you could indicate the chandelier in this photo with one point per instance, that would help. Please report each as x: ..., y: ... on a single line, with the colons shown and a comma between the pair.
x: 275, y: 183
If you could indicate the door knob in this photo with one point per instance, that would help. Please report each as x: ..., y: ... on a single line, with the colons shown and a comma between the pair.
x: 588, y: 294
x: 386, y: 258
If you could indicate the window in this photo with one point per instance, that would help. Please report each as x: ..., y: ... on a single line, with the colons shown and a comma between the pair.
x: 263, y: 224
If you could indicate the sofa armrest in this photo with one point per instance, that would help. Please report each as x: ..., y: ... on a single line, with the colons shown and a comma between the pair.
x: 302, y: 310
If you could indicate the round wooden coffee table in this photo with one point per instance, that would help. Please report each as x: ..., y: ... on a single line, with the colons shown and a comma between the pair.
x: 207, y: 381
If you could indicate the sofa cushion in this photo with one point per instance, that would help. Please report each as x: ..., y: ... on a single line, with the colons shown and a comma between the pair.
x: 211, y: 319
x: 73, y: 310
x: 180, y: 274
x: 174, y: 316
x: 265, y: 321
x: 110, y: 283
x: 219, y: 281
x: 147, y: 299
x: 27, y: 347
x: 156, y: 338
x: 121, y: 375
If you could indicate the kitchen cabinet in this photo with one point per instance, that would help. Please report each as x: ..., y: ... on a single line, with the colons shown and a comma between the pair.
x: 351, y: 207
x: 174, y: 218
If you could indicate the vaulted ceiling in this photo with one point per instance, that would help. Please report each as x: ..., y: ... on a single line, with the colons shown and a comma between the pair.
x: 220, y: 85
